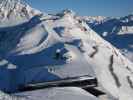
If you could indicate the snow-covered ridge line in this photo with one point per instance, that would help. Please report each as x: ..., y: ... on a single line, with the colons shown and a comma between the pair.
x: 51, y: 47
x: 115, y: 30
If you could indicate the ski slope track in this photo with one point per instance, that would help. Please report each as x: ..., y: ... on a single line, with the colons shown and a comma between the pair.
x: 43, y: 48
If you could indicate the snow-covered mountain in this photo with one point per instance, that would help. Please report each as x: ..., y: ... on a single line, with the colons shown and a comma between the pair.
x: 118, y: 31
x: 52, y: 47
x: 93, y: 20
x: 13, y: 12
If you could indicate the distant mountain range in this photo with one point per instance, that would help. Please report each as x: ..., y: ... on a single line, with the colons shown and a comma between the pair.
x: 118, y: 31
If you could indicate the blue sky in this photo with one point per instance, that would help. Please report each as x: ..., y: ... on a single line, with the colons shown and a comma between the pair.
x: 86, y: 7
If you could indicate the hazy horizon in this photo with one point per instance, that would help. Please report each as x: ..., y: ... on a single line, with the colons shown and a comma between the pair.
x: 108, y: 8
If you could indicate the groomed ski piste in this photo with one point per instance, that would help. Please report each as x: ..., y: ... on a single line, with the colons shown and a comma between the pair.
x: 37, y: 47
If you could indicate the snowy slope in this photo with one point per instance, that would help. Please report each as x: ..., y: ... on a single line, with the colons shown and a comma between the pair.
x: 4, y: 96
x: 31, y: 49
x: 116, y: 30
x: 63, y: 93
x: 13, y: 12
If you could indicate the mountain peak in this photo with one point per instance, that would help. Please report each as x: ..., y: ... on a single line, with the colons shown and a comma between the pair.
x: 66, y: 12
x: 13, y: 12
x: 10, y: 4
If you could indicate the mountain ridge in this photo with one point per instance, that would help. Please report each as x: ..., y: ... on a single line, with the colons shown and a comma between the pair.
x: 51, y: 47
x: 116, y: 30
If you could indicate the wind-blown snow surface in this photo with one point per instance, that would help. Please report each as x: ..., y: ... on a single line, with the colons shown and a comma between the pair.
x: 63, y: 93
x: 30, y: 48
x: 118, y: 31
